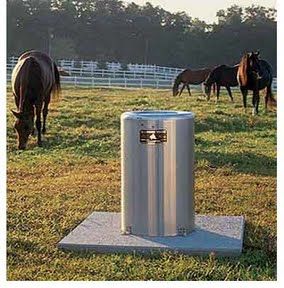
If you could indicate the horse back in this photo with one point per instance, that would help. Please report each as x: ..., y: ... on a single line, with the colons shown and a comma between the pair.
x: 228, y: 76
x: 195, y: 77
x: 224, y: 75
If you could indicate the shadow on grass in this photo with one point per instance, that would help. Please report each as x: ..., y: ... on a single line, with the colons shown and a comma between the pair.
x: 89, y: 122
x: 241, y: 162
x: 258, y: 238
x: 231, y: 124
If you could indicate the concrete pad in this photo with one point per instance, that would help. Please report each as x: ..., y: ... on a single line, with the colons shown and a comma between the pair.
x: 100, y: 232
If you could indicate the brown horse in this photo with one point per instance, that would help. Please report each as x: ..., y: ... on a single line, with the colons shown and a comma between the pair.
x: 189, y: 76
x: 255, y: 74
x: 222, y: 75
x: 34, y: 78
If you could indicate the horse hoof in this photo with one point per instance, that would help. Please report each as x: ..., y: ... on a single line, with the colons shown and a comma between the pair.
x: 43, y: 131
x: 39, y: 144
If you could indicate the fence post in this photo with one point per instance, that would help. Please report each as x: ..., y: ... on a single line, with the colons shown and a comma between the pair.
x: 141, y: 84
x: 157, y: 84
x: 93, y: 82
x: 109, y: 82
x: 75, y: 81
x: 125, y: 83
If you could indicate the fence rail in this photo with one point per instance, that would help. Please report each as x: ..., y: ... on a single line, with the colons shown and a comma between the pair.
x: 79, y: 68
x: 125, y: 82
x: 102, y: 73
x: 85, y: 73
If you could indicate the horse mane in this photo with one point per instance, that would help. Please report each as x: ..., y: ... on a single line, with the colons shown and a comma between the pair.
x: 211, y: 77
x: 242, y: 71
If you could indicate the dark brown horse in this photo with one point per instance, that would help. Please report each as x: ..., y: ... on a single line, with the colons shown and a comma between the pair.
x: 34, y: 78
x: 222, y: 75
x: 255, y: 74
x: 189, y: 76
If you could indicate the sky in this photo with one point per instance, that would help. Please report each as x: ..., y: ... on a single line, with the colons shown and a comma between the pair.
x: 203, y: 9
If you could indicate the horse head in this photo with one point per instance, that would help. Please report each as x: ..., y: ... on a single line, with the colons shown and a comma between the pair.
x: 175, y: 90
x: 253, y: 64
x: 207, y: 84
x: 249, y: 65
x: 207, y: 89
x: 24, y: 126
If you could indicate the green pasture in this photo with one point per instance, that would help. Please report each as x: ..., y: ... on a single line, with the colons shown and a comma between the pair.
x: 52, y: 189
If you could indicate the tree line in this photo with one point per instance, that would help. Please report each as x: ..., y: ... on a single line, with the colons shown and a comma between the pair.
x: 110, y: 30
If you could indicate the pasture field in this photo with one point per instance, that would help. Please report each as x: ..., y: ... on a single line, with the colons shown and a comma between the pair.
x: 50, y: 190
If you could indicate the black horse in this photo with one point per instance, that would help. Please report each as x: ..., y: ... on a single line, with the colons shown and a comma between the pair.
x: 222, y: 75
x: 255, y: 74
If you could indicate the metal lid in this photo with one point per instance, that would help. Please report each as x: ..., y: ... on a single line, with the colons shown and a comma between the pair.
x: 157, y: 115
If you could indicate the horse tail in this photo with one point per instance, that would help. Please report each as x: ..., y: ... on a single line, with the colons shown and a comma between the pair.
x: 176, y: 84
x: 22, y: 73
x: 56, y: 87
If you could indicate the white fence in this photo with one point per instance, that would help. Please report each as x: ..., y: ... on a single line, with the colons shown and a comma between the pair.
x: 138, y: 76
x: 114, y: 70
x: 102, y: 73
x: 79, y: 81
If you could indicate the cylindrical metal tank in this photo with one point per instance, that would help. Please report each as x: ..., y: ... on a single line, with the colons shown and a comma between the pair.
x: 157, y: 165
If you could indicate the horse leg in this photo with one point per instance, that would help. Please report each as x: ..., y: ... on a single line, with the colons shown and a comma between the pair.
x: 230, y: 93
x: 38, y: 124
x: 244, y: 93
x: 255, y: 102
x: 188, y: 89
x: 44, y: 114
x: 181, y: 89
x: 218, y: 93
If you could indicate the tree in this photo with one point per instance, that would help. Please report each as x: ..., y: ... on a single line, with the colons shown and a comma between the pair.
x: 109, y: 30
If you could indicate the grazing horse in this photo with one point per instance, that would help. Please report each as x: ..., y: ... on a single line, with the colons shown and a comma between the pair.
x: 34, y: 78
x: 189, y: 76
x: 255, y: 74
x: 222, y: 75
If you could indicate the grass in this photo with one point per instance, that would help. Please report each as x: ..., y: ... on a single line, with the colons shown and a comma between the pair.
x: 52, y: 189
